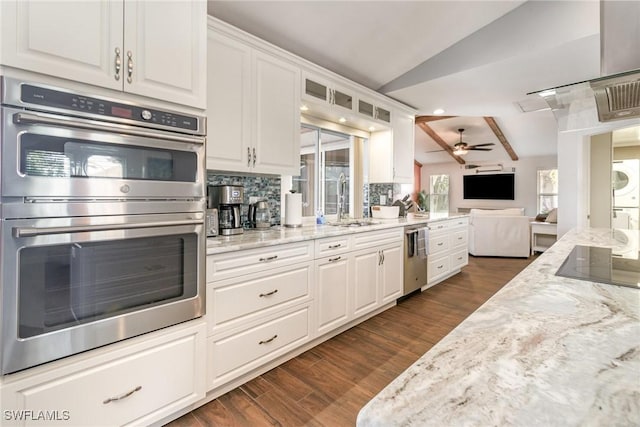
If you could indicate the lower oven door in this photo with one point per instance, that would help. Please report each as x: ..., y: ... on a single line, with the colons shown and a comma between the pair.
x: 73, y: 284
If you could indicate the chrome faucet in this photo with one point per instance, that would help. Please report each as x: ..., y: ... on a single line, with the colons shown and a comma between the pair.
x: 342, y: 188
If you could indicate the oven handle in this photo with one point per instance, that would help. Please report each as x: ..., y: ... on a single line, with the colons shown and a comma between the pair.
x: 41, y: 118
x: 40, y: 231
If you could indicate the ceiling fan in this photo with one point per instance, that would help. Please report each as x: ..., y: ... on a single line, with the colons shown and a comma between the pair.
x: 461, y: 147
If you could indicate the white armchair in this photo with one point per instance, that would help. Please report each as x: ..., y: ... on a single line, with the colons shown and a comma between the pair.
x: 500, y: 232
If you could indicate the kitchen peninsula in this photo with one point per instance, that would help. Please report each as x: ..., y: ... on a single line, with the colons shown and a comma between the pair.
x: 545, y: 350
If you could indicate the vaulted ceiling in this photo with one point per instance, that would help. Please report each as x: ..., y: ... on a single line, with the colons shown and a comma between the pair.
x: 474, y: 59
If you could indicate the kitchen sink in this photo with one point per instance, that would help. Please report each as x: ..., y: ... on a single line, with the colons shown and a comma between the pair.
x: 353, y: 223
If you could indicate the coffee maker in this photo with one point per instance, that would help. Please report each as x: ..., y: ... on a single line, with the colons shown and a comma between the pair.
x: 228, y: 200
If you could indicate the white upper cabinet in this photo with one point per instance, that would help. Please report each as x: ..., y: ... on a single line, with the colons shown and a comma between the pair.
x: 155, y: 49
x: 391, y: 152
x: 318, y: 90
x: 253, y: 111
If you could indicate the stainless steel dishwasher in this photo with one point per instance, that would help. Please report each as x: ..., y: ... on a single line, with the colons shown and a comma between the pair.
x: 415, y: 259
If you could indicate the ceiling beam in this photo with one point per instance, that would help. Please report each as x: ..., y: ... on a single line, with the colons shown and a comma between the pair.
x: 429, y: 131
x: 503, y: 140
x: 427, y: 119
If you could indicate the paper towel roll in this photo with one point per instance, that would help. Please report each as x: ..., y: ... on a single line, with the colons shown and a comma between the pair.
x: 293, y: 210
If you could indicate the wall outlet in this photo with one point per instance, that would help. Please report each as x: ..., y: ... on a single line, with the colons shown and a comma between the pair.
x: 383, y: 199
x: 253, y: 199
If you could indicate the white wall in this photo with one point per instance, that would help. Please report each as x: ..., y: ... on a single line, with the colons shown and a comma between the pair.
x: 525, y: 180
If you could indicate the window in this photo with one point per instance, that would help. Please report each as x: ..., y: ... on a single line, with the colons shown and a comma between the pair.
x: 439, y: 193
x: 547, y: 190
x: 324, y: 155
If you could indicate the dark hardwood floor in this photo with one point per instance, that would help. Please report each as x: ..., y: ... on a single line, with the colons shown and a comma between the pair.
x: 327, y: 385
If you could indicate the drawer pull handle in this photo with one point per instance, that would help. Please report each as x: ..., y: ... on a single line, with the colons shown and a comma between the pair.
x: 269, y: 340
x: 269, y: 258
x: 334, y: 259
x: 268, y: 293
x: 440, y: 244
x: 335, y: 246
x: 440, y: 266
x: 122, y: 396
x: 459, y: 258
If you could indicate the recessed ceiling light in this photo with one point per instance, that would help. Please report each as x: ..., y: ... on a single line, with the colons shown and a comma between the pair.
x: 342, y: 120
x: 371, y: 128
x: 438, y: 111
x: 304, y: 108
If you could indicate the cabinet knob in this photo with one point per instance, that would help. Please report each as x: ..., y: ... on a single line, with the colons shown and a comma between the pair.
x: 122, y: 396
x: 129, y: 66
x: 118, y: 64
x: 269, y: 340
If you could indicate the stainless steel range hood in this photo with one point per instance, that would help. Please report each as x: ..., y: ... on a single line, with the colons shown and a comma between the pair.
x: 616, y: 94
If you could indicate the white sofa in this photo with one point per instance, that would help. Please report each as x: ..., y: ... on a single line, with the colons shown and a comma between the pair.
x: 499, y: 232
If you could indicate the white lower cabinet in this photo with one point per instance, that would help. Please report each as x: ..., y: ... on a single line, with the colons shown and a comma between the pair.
x: 139, y: 382
x: 448, y: 248
x: 366, y: 281
x: 332, y: 292
x: 391, y: 273
x: 233, y: 354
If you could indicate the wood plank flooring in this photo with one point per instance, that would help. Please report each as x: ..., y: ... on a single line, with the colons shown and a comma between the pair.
x: 327, y: 385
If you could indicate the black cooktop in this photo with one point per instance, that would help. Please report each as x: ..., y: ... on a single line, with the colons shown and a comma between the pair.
x: 601, y: 265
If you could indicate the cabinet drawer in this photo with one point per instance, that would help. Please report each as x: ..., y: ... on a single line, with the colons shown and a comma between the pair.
x: 246, y: 350
x: 459, y: 259
x: 438, y: 243
x: 332, y: 245
x: 438, y: 227
x: 371, y: 239
x: 437, y: 267
x: 139, y: 388
x: 232, y: 264
x: 459, y: 238
x: 244, y: 298
x: 459, y: 222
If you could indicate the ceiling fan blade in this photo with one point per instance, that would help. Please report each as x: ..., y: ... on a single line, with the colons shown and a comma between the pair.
x: 482, y: 145
x: 433, y: 151
x: 479, y: 149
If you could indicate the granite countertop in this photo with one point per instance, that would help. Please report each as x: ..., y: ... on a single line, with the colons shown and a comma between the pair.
x: 544, y: 350
x: 256, y: 238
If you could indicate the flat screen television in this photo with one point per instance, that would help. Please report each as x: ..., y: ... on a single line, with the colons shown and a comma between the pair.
x: 500, y: 186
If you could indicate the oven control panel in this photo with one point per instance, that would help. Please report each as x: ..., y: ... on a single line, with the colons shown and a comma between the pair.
x: 74, y: 103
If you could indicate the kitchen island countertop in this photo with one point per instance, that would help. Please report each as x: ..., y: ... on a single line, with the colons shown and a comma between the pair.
x: 256, y: 238
x: 544, y: 350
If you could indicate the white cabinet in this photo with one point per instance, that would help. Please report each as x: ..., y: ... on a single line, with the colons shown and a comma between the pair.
x: 332, y: 292
x: 137, y: 382
x: 258, y: 307
x: 358, y: 277
x: 252, y: 108
x: 448, y: 248
x: 391, y: 152
x: 318, y: 90
x: 371, y: 110
x: 154, y: 49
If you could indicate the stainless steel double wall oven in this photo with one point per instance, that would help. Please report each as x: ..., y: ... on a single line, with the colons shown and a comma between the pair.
x: 102, y: 208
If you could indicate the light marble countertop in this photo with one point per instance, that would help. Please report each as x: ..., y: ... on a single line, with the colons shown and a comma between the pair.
x: 543, y: 351
x: 279, y: 235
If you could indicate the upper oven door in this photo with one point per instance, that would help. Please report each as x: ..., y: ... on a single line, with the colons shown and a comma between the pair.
x: 52, y: 156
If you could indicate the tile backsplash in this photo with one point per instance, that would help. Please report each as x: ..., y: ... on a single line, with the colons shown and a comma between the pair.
x: 267, y: 187
x: 264, y: 187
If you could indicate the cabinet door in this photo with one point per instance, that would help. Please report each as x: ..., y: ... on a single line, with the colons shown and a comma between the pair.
x: 391, y: 273
x: 166, y: 48
x: 277, y: 116
x: 403, y: 148
x: 366, y: 281
x: 73, y: 40
x: 228, y: 98
x: 332, y: 292
x: 381, y: 157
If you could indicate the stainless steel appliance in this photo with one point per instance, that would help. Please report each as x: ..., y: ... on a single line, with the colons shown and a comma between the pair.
x: 211, y: 222
x: 102, y: 209
x: 260, y: 215
x: 228, y: 200
x: 415, y: 257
